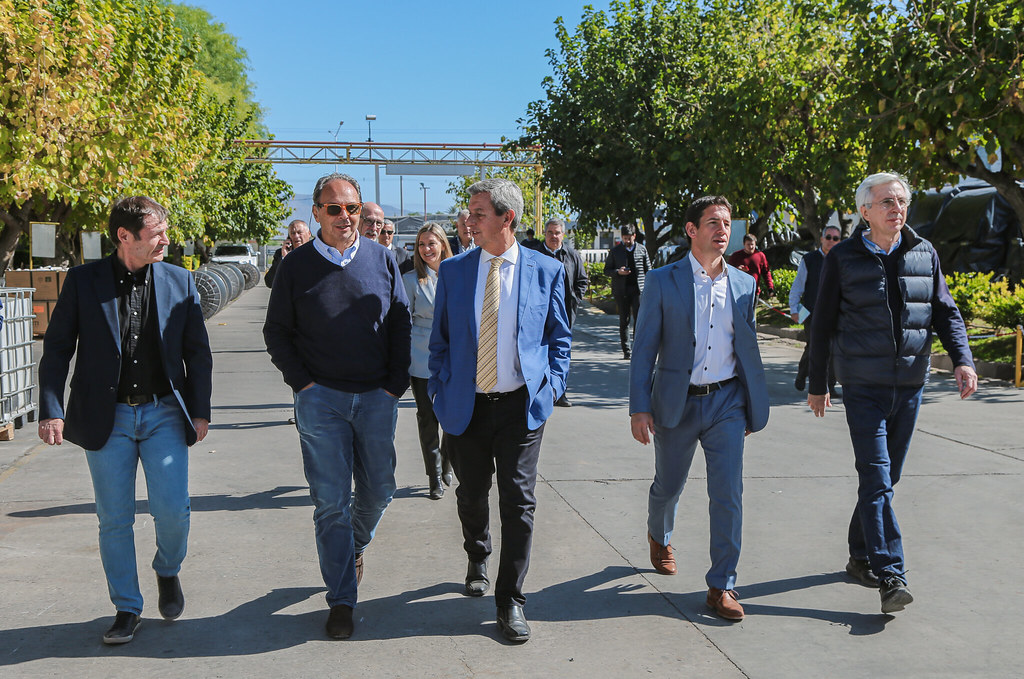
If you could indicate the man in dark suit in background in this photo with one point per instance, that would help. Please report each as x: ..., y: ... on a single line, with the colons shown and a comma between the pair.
x: 462, y: 240
x: 298, y: 234
x: 627, y: 264
x: 499, y: 356
x: 141, y: 391
x: 576, y: 279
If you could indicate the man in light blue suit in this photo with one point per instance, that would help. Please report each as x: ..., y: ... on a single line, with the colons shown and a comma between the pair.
x: 499, y: 357
x: 696, y: 375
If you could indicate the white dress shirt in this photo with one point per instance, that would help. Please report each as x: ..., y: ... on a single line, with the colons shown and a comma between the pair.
x: 510, y: 373
x: 714, y: 359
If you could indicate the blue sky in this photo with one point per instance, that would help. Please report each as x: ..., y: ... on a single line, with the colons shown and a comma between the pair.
x: 460, y: 72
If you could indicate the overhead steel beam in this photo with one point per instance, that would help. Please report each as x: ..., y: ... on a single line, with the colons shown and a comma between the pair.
x: 378, y: 153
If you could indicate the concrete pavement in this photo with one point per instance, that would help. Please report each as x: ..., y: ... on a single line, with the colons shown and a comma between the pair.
x: 255, y: 603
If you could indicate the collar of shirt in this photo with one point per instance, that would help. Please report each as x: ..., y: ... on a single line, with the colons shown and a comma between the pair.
x: 125, y: 278
x: 332, y: 255
x: 511, y: 255
x: 554, y: 252
x: 876, y: 248
x: 699, y: 273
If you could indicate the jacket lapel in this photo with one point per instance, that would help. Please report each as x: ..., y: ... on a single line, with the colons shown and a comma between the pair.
x: 527, y: 275
x: 107, y: 295
x: 682, y: 276
x: 469, y: 271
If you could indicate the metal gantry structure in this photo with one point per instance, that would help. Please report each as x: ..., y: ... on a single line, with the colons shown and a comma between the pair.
x: 458, y: 157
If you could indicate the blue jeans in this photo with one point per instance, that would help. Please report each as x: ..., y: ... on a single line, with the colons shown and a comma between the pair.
x: 345, y: 438
x: 718, y: 420
x: 155, y: 434
x: 881, y: 421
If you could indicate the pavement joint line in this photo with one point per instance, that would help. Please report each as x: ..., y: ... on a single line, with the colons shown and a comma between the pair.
x: 22, y: 461
x: 644, y: 576
x: 965, y: 443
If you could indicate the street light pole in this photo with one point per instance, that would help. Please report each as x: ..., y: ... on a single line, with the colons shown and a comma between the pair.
x: 369, y: 126
x: 425, y: 188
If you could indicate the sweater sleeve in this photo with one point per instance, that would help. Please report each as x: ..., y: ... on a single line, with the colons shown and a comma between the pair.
x: 823, y: 325
x: 279, y: 330
x: 399, y: 324
x: 947, y: 321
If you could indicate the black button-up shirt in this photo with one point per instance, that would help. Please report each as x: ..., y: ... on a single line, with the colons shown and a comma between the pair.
x: 142, y: 371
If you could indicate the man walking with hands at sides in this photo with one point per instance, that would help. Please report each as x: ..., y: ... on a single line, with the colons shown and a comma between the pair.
x: 627, y: 265
x: 140, y: 392
x: 338, y: 329
x: 499, y: 356
x: 802, y: 296
x: 696, y: 376
x: 881, y: 295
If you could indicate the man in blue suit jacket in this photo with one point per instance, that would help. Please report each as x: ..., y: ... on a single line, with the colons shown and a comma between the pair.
x: 141, y: 391
x: 696, y: 375
x: 496, y: 371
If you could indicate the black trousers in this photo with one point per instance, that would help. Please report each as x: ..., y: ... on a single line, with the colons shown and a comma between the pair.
x: 629, y: 306
x: 498, y: 442
x: 429, y: 429
x: 804, y: 366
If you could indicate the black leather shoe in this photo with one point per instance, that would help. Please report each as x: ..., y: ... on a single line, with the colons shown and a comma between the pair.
x: 860, y: 570
x: 339, y: 622
x: 512, y: 623
x: 894, y: 593
x: 476, y: 579
x: 436, y: 488
x: 123, y: 629
x: 172, y: 599
x: 448, y: 477
x: 563, y: 402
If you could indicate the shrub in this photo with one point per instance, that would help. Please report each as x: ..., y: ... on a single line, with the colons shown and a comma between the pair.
x: 1004, y: 308
x: 783, y: 279
x: 970, y: 291
x: 600, y: 284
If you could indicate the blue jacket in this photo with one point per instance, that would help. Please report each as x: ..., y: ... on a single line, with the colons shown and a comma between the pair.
x: 86, y: 316
x: 663, y: 348
x: 543, y: 338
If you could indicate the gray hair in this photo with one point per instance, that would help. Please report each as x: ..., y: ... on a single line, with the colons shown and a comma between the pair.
x: 328, y: 178
x: 555, y: 220
x: 864, y: 190
x: 505, y: 195
x: 463, y: 213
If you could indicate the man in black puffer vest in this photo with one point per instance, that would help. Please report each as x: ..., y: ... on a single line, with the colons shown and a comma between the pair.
x: 880, y: 296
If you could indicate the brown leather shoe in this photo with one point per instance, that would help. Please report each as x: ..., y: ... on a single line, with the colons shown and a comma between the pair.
x: 725, y: 603
x: 661, y: 557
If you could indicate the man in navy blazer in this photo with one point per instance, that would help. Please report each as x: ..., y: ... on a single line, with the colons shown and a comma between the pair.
x: 494, y: 410
x: 696, y: 375
x: 140, y: 391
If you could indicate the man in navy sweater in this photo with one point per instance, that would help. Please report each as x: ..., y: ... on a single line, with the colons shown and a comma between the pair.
x: 338, y: 328
x: 880, y: 296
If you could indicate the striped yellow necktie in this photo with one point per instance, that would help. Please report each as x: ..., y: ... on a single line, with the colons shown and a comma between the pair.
x: 487, y: 349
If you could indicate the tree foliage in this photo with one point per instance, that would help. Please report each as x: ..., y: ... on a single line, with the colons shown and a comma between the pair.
x: 941, y: 83
x: 102, y: 98
x: 781, y: 105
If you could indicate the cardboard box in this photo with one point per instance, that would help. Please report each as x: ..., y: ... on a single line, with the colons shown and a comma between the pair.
x: 61, y: 277
x: 45, y: 283
x: 42, y: 320
x: 18, y: 278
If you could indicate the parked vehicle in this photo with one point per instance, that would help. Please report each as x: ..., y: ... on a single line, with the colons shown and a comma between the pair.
x: 237, y: 253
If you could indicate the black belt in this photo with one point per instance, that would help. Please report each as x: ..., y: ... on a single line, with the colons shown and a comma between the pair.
x: 705, y: 389
x: 499, y: 395
x: 140, y: 399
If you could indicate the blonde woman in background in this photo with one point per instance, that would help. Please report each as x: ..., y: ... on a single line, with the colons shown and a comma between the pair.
x: 432, y: 248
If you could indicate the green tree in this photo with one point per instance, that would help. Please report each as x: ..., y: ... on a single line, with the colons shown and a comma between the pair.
x: 614, y: 124
x: 93, y: 104
x: 941, y: 86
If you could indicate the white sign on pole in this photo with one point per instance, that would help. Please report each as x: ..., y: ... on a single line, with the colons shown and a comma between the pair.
x: 92, y: 245
x: 44, y: 239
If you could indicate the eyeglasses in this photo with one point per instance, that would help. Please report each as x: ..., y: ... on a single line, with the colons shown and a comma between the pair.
x: 890, y: 203
x: 388, y: 232
x: 334, y: 209
x: 831, y: 237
